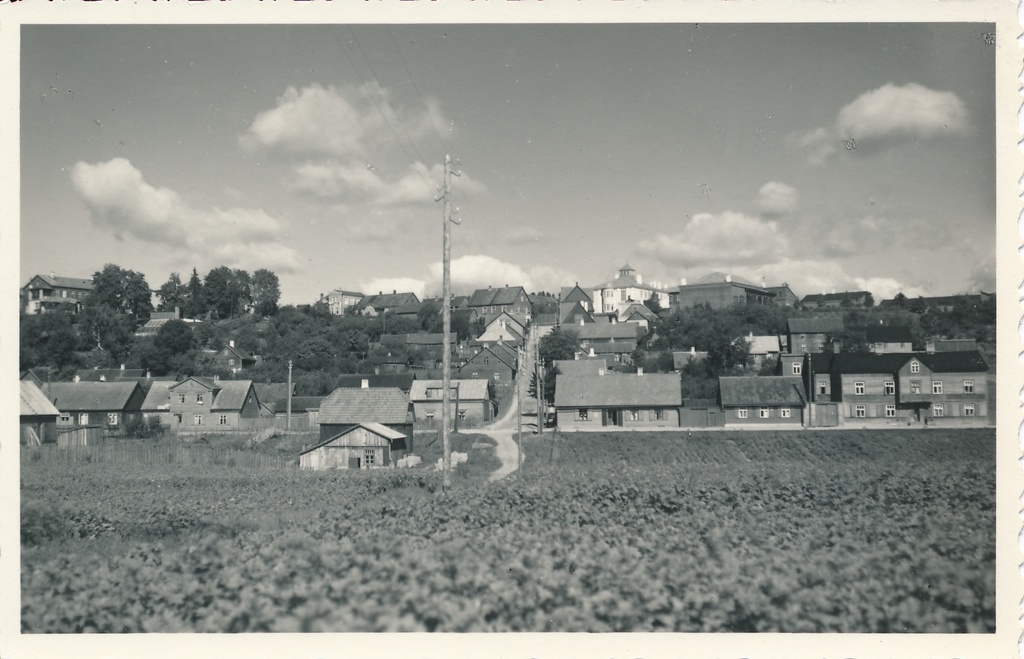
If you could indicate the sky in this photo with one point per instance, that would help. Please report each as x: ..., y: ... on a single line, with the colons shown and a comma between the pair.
x: 830, y: 157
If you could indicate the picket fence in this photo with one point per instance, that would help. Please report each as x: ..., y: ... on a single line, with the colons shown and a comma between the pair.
x: 150, y: 455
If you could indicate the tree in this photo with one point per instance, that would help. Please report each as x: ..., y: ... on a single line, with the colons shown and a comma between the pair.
x: 120, y: 291
x: 869, y: 301
x: 429, y: 318
x: 106, y: 331
x: 174, y: 349
x: 219, y: 294
x: 195, y: 297
x: 172, y: 293
x: 48, y: 339
x: 560, y: 343
x: 653, y: 304
x: 266, y: 292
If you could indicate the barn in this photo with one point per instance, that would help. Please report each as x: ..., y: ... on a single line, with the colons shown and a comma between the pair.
x: 366, y: 445
x: 38, y: 417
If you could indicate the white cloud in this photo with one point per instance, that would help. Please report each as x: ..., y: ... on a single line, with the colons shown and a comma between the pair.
x: 911, y: 110
x: 883, y: 288
x: 776, y: 198
x: 474, y: 271
x: 522, y: 234
x: 983, y: 277
x: 355, y: 182
x: 121, y: 202
x: 731, y: 237
x: 883, y: 116
x: 806, y: 277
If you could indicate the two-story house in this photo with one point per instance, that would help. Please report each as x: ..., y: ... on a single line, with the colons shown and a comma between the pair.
x: 628, y: 287
x: 45, y: 293
x: 812, y: 334
x: 202, y: 404
x: 509, y: 299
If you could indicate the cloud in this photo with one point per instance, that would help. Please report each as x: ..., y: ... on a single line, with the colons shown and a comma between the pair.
x: 355, y: 182
x: 884, y: 288
x: 707, y: 238
x: 806, y: 277
x: 983, y: 277
x: 776, y: 198
x: 522, y: 234
x: 121, y: 202
x: 885, y: 116
x: 475, y: 271
x: 908, y: 111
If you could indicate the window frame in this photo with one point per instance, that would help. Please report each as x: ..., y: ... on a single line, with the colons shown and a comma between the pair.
x: 889, y: 407
x: 936, y: 387
x: 764, y: 412
x: 113, y: 418
x: 860, y: 411
x: 197, y: 419
x: 742, y: 413
x: 915, y: 367
x: 222, y: 420
x: 785, y: 413
x: 798, y: 368
x: 969, y: 409
x: 859, y: 388
x: 938, y: 409
x: 890, y: 387
x: 582, y: 414
x: 968, y: 386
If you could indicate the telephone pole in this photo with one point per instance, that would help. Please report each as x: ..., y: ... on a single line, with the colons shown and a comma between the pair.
x: 521, y: 354
x: 288, y: 424
x: 539, y: 389
x: 446, y: 325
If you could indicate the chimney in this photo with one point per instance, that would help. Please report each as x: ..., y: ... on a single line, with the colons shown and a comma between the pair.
x: 376, y: 370
x: 682, y: 281
x: 122, y: 367
x: 581, y: 321
x: 177, y: 313
x: 640, y: 370
x: 728, y: 279
x: 592, y: 352
x: 52, y: 274
x: 231, y: 343
x: 639, y: 279
x: 835, y: 347
x: 364, y: 384
x: 394, y: 291
x: 693, y: 350
x: 78, y: 378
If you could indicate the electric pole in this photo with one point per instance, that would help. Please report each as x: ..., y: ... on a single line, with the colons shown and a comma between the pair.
x: 446, y: 325
x: 288, y: 423
x: 519, y: 412
x: 539, y: 389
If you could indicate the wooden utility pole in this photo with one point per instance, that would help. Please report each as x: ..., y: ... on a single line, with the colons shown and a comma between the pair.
x: 288, y: 423
x: 519, y: 413
x: 539, y: 389
x: 446, y: 326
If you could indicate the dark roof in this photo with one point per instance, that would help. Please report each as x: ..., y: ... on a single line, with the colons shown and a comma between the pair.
x: 682, y: 358
x: 380, y: 405
x: 387, y: 300
x: 612, y: 348
x: 501, y: 355
x: 86, y: 396
x: 209, y: 383
x: 817, y: 325
x: 767, y: 390
x: 618, y: 390
x: 887, y: 334
x: 110, y: 374
x: 969, y: 361
x: 467, y: 389
x: 232, y: 395
x: 401, y: 381
x: 411, y: 309
x: 268, y: 391
x: 299, y: 404
x: 485, y: 297
x: 580, y: 366
x: 599, y: 331
x: 834, y: 297
x: 383, y: 431
x: 65, y: 282
x: 574, y: 294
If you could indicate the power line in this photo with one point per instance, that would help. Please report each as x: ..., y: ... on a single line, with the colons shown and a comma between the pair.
x: 426, y: 108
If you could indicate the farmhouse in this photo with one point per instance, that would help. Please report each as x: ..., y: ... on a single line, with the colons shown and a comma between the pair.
x: 365, y: 445
x: 470, y: 401
x: 762, y: 401
x: 634, y: 401
x: 103, y: 404
x: 346, y: 408
x: 233, y: 359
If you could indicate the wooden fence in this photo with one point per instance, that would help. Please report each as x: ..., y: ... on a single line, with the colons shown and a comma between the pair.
x: 79, y: 436
x: 147, y: 455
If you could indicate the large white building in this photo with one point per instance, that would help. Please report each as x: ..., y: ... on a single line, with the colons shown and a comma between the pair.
x: 629, y: 287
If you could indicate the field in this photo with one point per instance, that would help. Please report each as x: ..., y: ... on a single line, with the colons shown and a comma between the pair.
x: 858, y: 531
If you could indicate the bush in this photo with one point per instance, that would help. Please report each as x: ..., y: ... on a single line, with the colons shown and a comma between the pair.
x: 137, y: 427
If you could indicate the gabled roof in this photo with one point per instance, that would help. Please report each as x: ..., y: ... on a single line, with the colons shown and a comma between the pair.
x: 817, y: 325
x: 232, y: 395
x: 341, y: 291
x: 387, y: 300
x: 109, y: 374
x: 467, y: 390
x: 376, y: 428
x: 638, y: 309
x: 618, y: 390
x: 401, y: 381
x: 502, y: 355
x: 268, y: 391
x: 208, y: 383
x: 569, y: 313
x: 766, y: 390
x: 575, y: 294
x: 485, y: 297
x: 34, y: 402
x: 888, y: 334
x: 580, y: 366
x: 89, y: 396
x: 411, y: 309
x: 381, y: 405
x: 834, y: 297
x: 65, y: 282
x: 969, y: 361
x: 299, y: 404
x: 508, y: 317
x: 598, y: 331
x: 763, y: 345
x: 158, y: 397
x: 240, y: 354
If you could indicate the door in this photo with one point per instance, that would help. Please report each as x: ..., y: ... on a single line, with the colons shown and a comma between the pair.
x: 613, y: 418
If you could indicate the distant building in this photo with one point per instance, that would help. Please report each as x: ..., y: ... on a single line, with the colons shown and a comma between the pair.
x: 837, y: 300
x: 888, y: 338
x: 718, y: 290
x: 339, y: 299
x: 628, y: 287
x: 374, y: 305
x: 197, y: 404
x: 365, y: 445
x: 469, y: 401
x: 45, y: 293
x: 812, y: 334
x: 513, y: 300
x: 637, y: 401
x: 762, y: 401
x: 38, y: 417
x: 784, y: 297
x: 347, y: 408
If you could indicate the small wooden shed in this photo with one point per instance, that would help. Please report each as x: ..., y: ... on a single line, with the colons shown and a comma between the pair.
x: 38, y: 416
x: 366, y: 445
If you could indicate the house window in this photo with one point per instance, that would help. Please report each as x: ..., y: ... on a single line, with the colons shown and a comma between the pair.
x: 223, y: 420
x: 822, y: 387
x: 197, y: 420
x: 938, y: 410
x: 199, y: 398
x: 658, y: 415
x: 622, y: 295
x: 890, y: 411
x: 741, y: 414
x: 858, y: 388
x: 803, y: 347
x: 177, y: 417
x: 430, y: 415
x: 764, y: 413
x: 634, y: 415
x: 797, y: 368
x: 487, y: 360
x: 785, y: 413
x: 936, y: 386
x: 181, y: 398
x: 369, y: 457
x: 65, y: 417
x: 582, y: 415
x: 112, y: 419
x: 915, y: 367
x: 969, y: 409
x: 497, y: 376
x: 968, y: 386
x: 890, y: 388
x: 462, y: 414
x: 860, y: 411
x: 231, y: 362
x: 915, y: 386
x: 83, y: 419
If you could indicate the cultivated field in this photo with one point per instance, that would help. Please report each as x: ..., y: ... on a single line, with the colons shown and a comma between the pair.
x: 860, y: 531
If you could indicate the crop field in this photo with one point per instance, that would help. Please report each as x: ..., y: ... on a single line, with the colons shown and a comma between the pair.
x: 855, y: 531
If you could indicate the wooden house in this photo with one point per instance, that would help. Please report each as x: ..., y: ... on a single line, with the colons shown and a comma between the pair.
x: 345, y: 408
x: 365, y: 445
x: 493, y: 362
x: 570, y: 295
x: 510, y: 299
x: 762, y: 401
x: 45, y: 293
x: 470, y: 401
x: 812, y: 334
x: 635, y: 401
x: 198, y: 404
x: 106, y: 405
x: 38, y: 416
x: 233, y: 359
x: 888, y: 338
